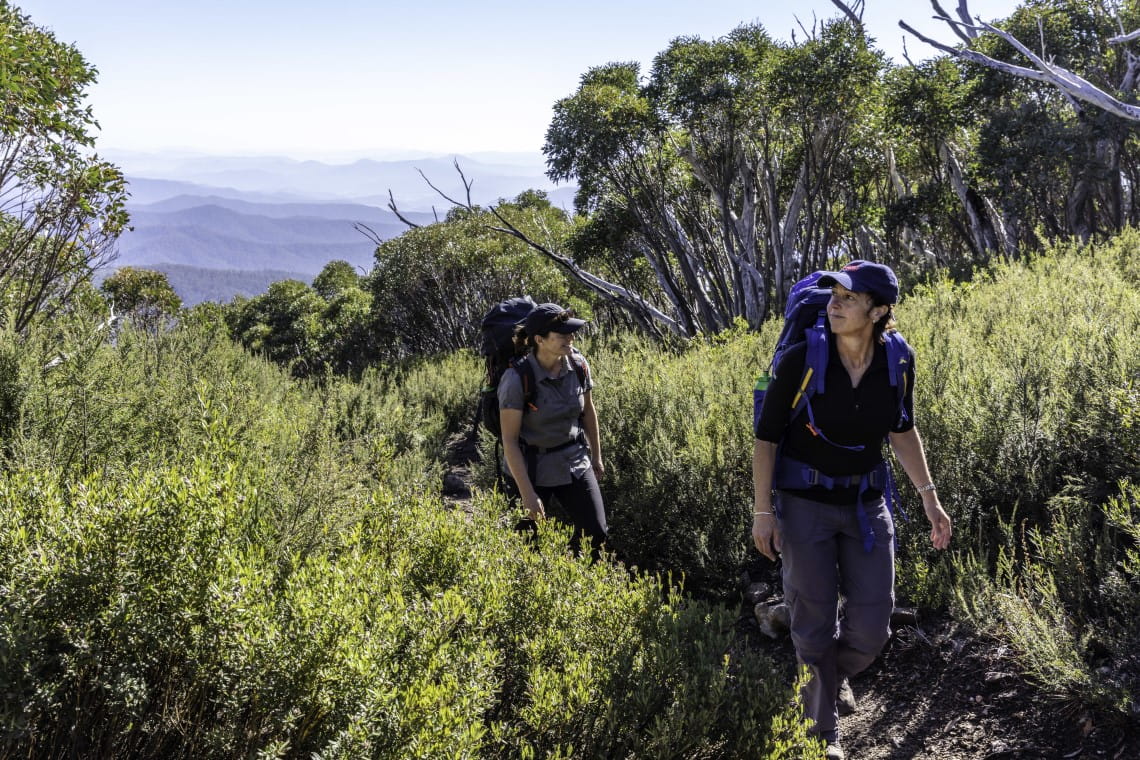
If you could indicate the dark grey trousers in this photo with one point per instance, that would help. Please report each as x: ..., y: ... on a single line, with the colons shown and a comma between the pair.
x: 582, y: 500
x: 823, y: 557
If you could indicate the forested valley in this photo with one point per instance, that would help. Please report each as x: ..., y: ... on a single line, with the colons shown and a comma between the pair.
x: 223, y: 530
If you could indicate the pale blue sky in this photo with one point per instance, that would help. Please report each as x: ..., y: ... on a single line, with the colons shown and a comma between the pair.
x: 317, y: 79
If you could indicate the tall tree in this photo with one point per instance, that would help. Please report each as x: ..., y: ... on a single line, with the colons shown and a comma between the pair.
x: 432, y: 285
x: 283, y: 324
x: 61, y: 207
x: 940, y: 210
x: 1064, y: 158
x: 144, y: 295
x: 731, y: 167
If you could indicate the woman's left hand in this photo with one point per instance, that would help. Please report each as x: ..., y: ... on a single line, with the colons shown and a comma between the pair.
x: 939, y: 523
x: 599, y: 467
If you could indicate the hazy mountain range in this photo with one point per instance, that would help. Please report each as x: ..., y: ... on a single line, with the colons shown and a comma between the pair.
x: 215, y: 224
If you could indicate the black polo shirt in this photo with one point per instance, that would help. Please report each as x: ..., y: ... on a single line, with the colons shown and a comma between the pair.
x: 848, y: 415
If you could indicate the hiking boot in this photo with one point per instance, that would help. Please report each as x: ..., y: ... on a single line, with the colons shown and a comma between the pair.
x: 834, y: 752
x: 845, y: 700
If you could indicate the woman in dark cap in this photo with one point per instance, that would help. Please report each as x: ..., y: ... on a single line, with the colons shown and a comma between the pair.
x: 829, y: 519
x: 551, y: 444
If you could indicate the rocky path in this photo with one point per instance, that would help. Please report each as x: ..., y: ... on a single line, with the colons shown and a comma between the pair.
x: 941, y: 692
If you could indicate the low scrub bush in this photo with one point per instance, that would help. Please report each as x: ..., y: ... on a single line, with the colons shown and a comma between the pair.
x: 1027, y: 379
x: 140, y: 620
x: 1029, y: 408
x: 678, y: 445
x: 1069, y: 609
x: 677, y: 440
x: 204, y: 558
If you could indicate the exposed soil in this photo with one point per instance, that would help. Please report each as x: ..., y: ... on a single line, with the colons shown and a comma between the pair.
x: 939, y: 690
x: 461, y: 451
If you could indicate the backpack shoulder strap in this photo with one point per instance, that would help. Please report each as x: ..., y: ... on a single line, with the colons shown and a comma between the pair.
x: 815, y: 364
x: 900, y: 368
x: 521, y: 365
x: 581, y: 369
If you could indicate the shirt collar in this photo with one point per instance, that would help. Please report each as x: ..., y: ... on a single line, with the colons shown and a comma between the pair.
x: 540, y: 372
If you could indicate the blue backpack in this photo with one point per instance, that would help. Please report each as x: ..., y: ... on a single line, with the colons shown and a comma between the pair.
x: 805, y: 320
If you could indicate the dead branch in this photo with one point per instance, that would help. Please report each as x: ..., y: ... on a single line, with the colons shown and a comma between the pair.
x: 608, y: 290
x: 853, y: 11
x: 1071, y: 85
x: 640, y: 309
x: 941, y: 13
x: 1121, y: 39
x: 975, y: 56
x: 367, y: 232
x: 466, y: 187
x: 396, y: 211
x: 1068, y: 82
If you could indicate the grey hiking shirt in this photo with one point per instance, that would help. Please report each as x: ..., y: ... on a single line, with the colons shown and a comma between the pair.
x: 557, y: 419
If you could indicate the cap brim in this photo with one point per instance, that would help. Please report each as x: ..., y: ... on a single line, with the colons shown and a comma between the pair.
x: 835, y: 278
x: 569, y: 326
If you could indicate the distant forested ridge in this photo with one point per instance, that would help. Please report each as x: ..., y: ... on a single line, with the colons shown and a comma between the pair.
x: 279, y: 214
x: 196, y: 285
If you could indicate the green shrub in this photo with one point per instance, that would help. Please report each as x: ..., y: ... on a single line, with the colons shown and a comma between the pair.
x: 677, y: 440
x: 1067, y: 607
x: 204, y: 558
x: 1027, y: 378
x: 141, y: 620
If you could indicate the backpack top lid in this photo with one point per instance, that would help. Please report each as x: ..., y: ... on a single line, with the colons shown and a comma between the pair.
x: 498, y: 325
x: 806, y: 303
x: 806, y: 292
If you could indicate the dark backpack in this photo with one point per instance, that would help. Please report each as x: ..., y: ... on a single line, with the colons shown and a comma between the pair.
x: 498, y: 346
x: 805, y: 321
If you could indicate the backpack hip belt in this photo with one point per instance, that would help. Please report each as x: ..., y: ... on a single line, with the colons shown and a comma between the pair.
x: 580, y: 438
x: 794, y: 474
x: 532, y: 453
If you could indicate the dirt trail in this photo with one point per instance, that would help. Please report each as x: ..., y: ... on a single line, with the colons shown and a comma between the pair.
x: 940, y: 692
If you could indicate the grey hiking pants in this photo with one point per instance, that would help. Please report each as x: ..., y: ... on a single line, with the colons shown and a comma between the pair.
x: 823, y: 557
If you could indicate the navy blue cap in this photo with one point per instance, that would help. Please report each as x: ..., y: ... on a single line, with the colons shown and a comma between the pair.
x: 865, y: 277
x: 547, y: 317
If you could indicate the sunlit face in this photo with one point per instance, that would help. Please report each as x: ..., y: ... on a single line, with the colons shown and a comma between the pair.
x: 850, y: 313
x: 555, y: 343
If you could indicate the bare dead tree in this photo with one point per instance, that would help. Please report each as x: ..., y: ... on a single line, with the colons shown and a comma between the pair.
x: 642, y: 311
x: 1073, y: 86
x: 1080, y: 212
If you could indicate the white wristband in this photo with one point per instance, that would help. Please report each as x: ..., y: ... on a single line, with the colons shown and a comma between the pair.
x: 925, y: 488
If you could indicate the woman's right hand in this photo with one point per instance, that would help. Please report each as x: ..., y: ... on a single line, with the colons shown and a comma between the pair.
x: 766, y: 534
x: 533, y: 506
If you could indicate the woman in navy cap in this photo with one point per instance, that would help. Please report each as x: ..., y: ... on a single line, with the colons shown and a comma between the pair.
x: 824, y: 463
x: 550, y: 431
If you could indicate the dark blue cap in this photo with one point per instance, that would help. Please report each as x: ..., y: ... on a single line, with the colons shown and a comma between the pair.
x: 865, y: 277
x: 548, y: 317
